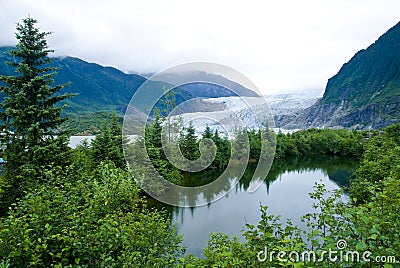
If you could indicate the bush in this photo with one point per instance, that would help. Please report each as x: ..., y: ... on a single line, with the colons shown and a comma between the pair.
x: 95, y: 222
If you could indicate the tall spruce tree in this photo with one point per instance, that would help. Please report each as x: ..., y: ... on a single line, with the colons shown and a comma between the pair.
x: 108, y: 144
x: 189, y: 144
x: 30, y: 120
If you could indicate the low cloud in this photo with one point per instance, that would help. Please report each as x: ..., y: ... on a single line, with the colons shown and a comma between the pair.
x: 280, y: 45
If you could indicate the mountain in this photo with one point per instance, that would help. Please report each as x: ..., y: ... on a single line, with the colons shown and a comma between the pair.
x: 102, y: 90
x: 211, y: 89
x: 365, y: 93
x: 99, y: 88
x: 286, y: 108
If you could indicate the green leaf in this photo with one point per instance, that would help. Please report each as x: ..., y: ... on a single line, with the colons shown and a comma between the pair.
x: 373, y: 236
x: 361, y: 245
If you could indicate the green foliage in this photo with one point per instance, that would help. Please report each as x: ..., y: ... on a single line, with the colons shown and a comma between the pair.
x: 365, y: 91
x: 68, y: 209
x: 393, y: 133
x: 148, y: 162
x: 223, y: 153
x: 188, y: 143
x: 89, y: 123
x: 168, y: 102
x: 92, y: 222
x: 94, y: 216
x: 154, y: 132
x: 370, y: 226
x: 240, y: 146
x: 255, y: 143
x: 305, y: 142
x: 320, y: 142
x: 223, y: 251
x: 371, y: 72
x: 30, y: 119
x: 153, y: 145
x: 380, y: 160
x: 108, y: 144
x: 269, y: 235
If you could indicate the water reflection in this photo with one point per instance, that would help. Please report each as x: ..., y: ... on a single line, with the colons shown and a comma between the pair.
x: 285, y: 191
x: 338, y: 169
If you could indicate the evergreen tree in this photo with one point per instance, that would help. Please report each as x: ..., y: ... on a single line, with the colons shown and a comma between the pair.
x: 223, y: 150
x: 30, y: 119
x: 154, y: 131
x: 207, y: 134
x: 255, y: 143
x: 208, y: 148
x: 169, y: 104
x: 188, y: 144
x: 241, y: 146
x: 155, y: 151
x: 108, y: 144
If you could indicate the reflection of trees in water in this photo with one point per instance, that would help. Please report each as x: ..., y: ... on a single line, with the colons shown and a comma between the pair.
x: 338, y: 169
x: 227, y: 180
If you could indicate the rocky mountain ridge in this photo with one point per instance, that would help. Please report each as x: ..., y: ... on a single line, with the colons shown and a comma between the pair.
x: 364, y: 94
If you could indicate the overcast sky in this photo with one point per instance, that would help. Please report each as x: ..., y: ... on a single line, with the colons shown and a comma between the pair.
x: 282, y: 46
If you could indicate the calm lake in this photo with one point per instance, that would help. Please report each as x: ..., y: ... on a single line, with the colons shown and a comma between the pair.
x: 285, y: 192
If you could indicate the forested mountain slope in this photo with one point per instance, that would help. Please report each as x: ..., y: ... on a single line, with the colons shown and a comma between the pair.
x: 365, y: 93
x: 102, y: 90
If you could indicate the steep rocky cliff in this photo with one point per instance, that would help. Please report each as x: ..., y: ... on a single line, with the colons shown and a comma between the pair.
x: 365, y: 93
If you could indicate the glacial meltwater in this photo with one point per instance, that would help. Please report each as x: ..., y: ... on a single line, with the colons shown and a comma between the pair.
x: 284, y: 191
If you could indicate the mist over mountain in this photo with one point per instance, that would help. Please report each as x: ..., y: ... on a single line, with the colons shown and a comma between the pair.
x: 365, y: 93
x: 216, y: 86
x: 102, y: 90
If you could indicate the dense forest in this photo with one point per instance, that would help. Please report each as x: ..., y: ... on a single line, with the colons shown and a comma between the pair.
x: 63, y: 207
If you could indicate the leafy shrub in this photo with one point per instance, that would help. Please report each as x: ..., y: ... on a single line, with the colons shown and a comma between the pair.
x: 96, y: 222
